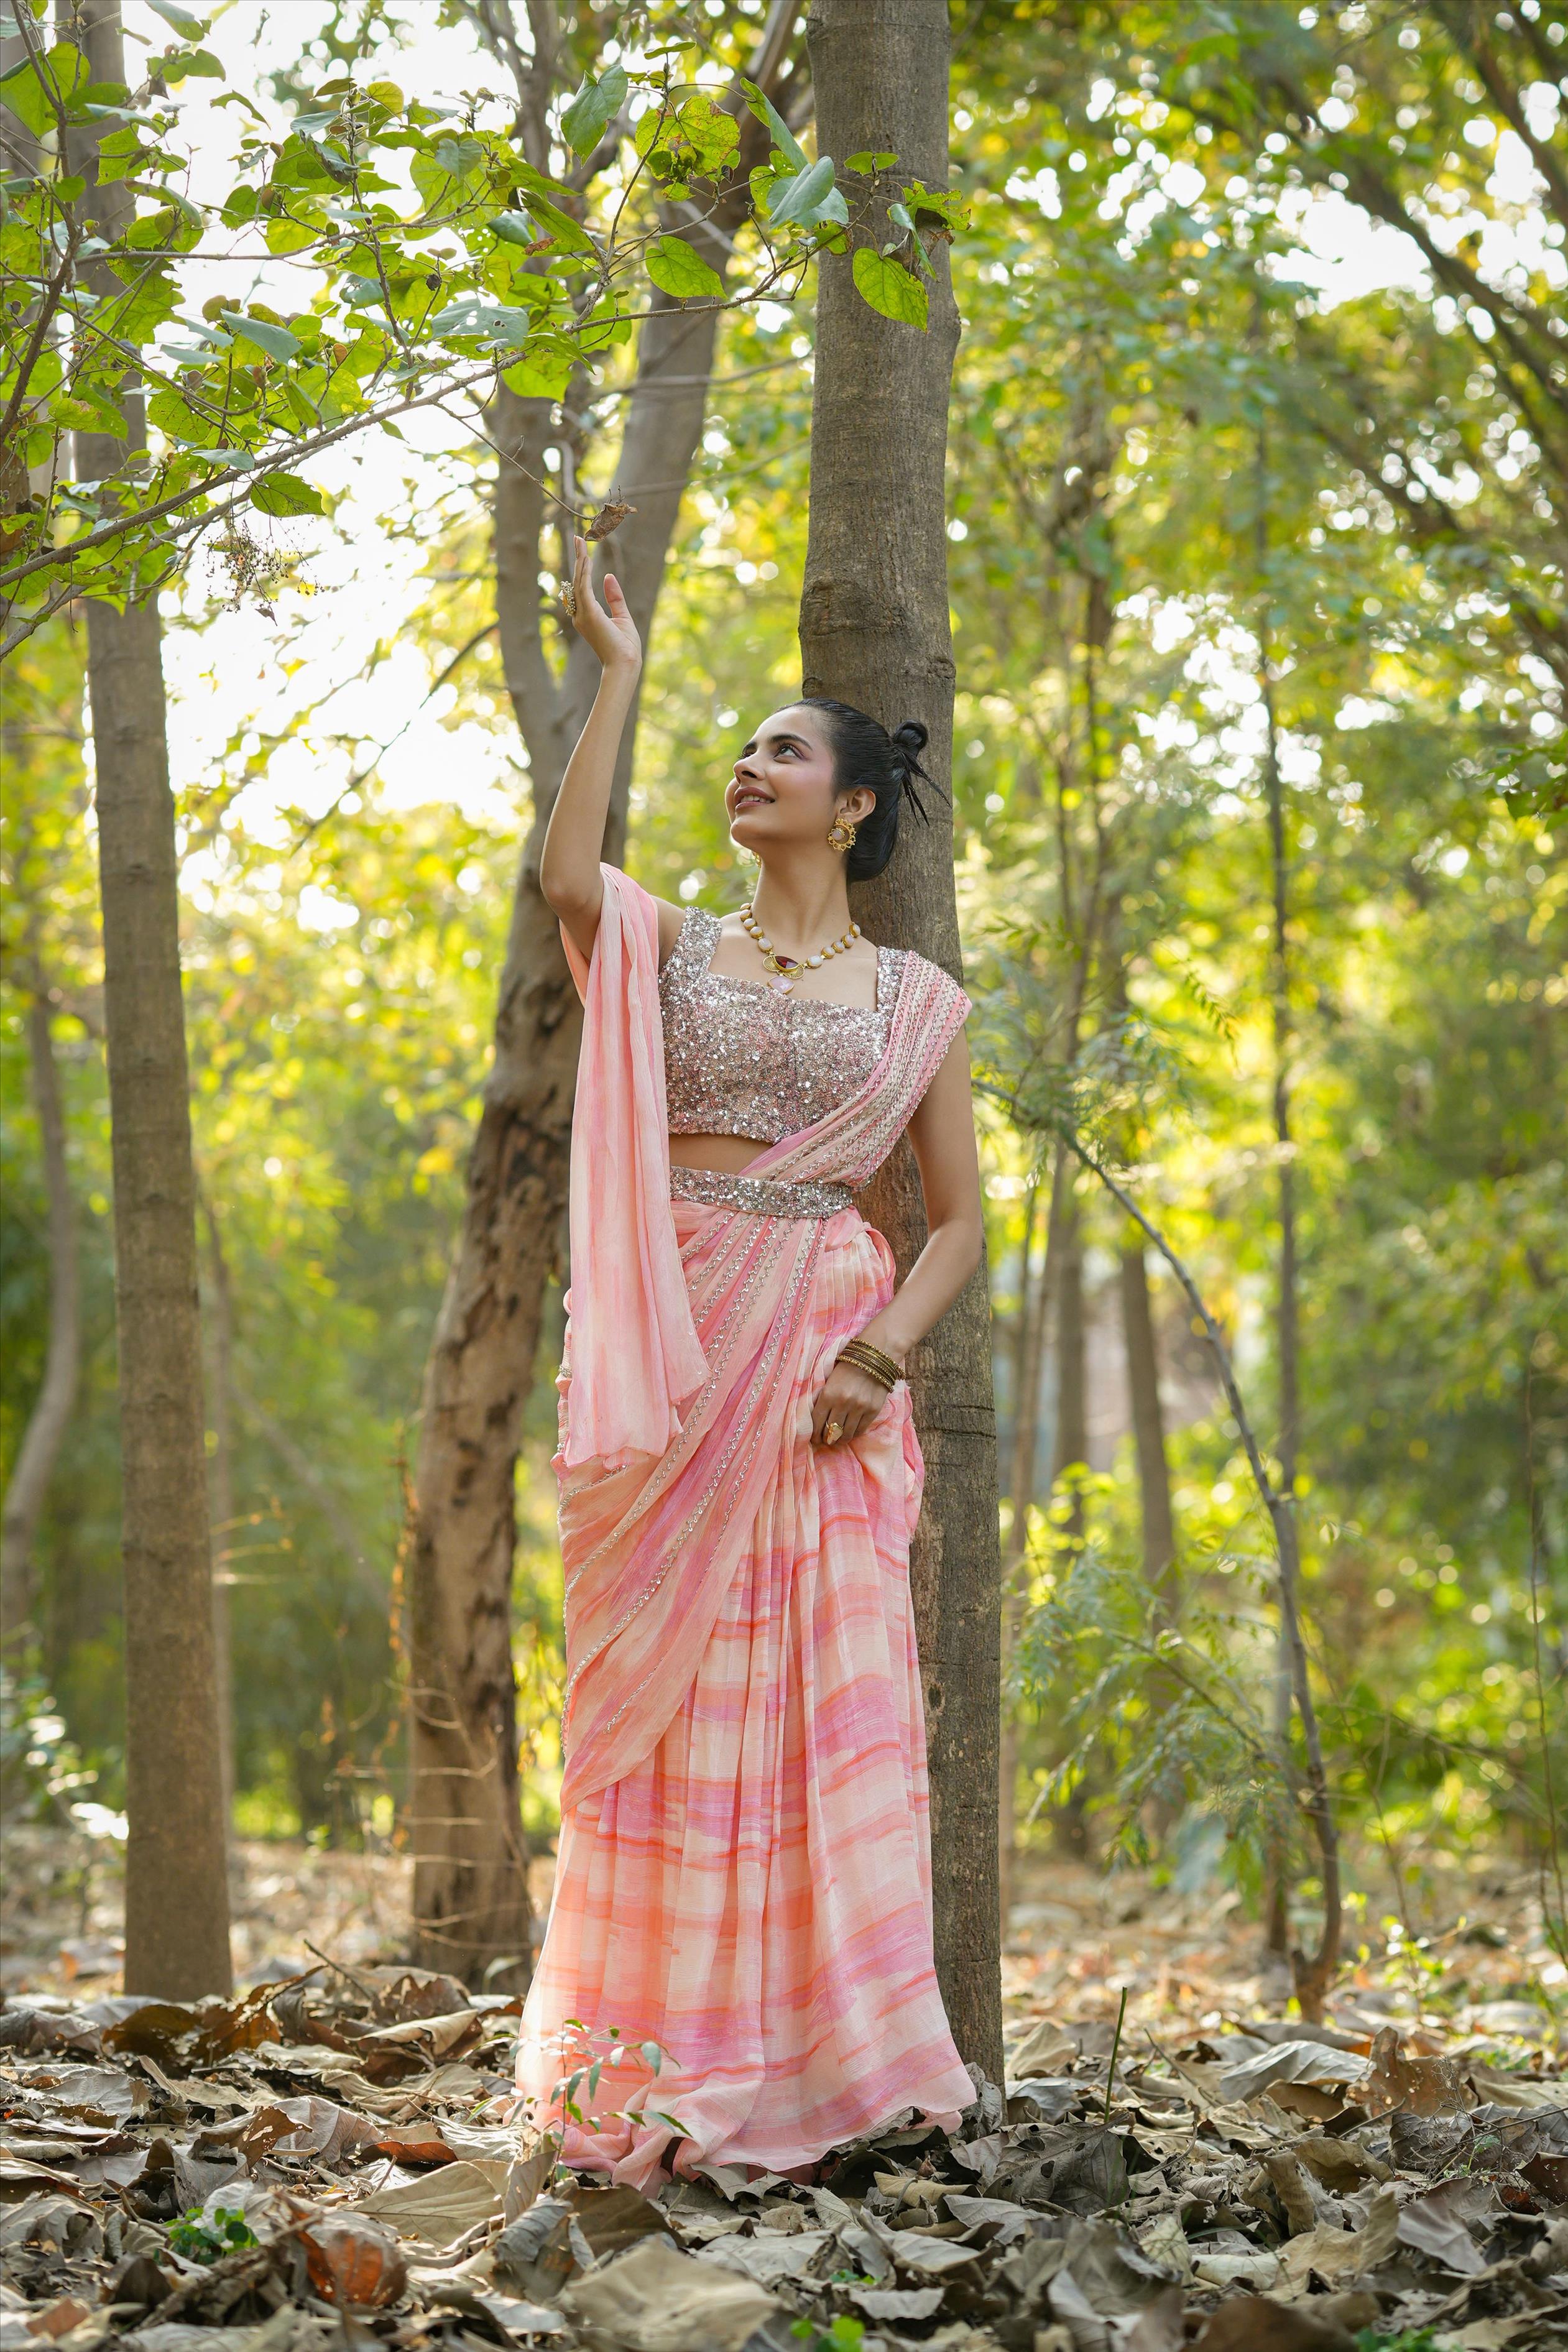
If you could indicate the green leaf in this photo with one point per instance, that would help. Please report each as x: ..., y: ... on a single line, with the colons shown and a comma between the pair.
x: 801, y: 199
x: 184, y: 63
x: 585, y: 118
x: 32, y: 99
x: 561, y: 229
x: 285, y: 494
x: 541, y: 373
x: 711, y: 135
x: 514, y: 229
x: 766, y: 113
x: 189, y: 27
x: 275, y: 342
x: 867, y: 161
x: 458, y: 156
x: 478, y: 314
x: 676, y: 270
x: 175, y: 415
x: 286, y: 235
x: 889, y: 288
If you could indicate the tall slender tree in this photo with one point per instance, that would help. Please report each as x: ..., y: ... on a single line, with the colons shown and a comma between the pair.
x: 177, y: 1888
x: 874, y: 630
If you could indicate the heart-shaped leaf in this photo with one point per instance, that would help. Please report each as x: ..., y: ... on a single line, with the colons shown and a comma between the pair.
x: 285, y: 494
x: 676, y: 270
x: 889, y: 288
x: 584, y: 121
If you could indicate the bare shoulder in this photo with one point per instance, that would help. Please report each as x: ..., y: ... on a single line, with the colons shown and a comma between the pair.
x: 670, y: 918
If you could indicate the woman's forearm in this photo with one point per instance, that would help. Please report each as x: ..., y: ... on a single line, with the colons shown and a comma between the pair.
x: 573, y: 840
x: 935, y: 1282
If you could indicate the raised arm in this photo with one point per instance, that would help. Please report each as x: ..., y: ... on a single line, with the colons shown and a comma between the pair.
x: 569, y: 872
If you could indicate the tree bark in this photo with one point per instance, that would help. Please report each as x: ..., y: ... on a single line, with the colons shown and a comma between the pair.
x: 220, y: 1326
x: 50, y: 1416
x: 1033, y: 1321
x: 470, y: 1901
x: 1071, y: 1445
x: 1312, y: 1973
x: 1070, y: 1437
x: 874, y: 630
x: 177, y: 1888
x: 1148, y: 1425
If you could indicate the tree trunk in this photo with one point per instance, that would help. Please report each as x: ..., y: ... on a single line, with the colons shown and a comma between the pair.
x: 177, y: 1888
x: 1312, y: 1973
x: 1071, y: 1438
x: 1034, y: 1317
x: 219, y: 1321
x: 470, y: 1902
x: 50, y: 1416
x: 1148, y: 1426
x: 874, y: 630
x: 1072, y: 1446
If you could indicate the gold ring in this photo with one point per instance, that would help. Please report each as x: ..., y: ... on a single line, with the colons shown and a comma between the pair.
x: 833, y: 1432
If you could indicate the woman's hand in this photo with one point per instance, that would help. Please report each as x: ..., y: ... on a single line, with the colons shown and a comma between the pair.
x: 846, y: 1404
x: 608, y: 628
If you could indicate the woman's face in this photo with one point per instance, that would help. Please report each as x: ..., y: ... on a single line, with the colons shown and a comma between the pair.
x: 782, y: 791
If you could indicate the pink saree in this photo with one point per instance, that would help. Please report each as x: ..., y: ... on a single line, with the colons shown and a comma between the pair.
x: 744, y: 1872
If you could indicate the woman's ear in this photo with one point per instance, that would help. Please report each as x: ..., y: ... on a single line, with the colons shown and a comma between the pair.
x: 858, y: 804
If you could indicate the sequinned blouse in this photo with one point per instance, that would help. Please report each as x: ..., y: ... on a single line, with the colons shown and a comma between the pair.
x: 740, y: 1058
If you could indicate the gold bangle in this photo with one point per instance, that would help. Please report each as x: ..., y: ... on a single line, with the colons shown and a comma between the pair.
x: 872, y: 1360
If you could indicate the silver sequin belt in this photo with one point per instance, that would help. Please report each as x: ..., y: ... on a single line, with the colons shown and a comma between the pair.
x: 759, y: 1195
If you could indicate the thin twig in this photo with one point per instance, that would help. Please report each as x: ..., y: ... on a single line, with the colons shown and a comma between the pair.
x: 1556, y: 1930
x: 1115, y: 2046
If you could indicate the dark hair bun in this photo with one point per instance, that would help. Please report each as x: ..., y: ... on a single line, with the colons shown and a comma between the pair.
x: 867, y: 758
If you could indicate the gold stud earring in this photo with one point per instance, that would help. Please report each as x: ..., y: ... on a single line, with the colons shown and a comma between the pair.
x: 841, y: 835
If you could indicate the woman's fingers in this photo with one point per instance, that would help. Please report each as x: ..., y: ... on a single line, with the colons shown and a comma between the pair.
x: 614, y: 597
x: 842, y: 1406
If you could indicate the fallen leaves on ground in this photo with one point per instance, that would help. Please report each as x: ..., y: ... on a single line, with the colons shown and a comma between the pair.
x: 326, y: 2163
x: 328, y: 2160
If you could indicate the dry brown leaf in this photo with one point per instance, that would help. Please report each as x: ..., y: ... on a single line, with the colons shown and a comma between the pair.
x: 610, y: 517
x: 1424, y: 2086
x: 442, y: 2207
x: 354, y: 2262
x: 656, y: 2299
x: 1254, y: 2323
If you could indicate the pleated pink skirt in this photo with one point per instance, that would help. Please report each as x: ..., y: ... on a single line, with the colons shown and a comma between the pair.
x: 755, y: 1896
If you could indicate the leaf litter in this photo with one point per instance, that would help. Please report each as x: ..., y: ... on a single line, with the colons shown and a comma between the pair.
x: 331, y: 2163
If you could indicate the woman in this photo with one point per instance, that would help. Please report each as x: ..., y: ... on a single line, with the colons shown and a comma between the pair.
x: 743, y: 1873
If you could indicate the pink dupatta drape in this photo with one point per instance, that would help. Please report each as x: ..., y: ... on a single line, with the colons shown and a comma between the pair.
x: 744, y: 1871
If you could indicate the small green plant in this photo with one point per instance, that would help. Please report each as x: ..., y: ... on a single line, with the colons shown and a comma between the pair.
x: 844, y: 2334
x: 201, y: 2240
x: 1409, y: 2339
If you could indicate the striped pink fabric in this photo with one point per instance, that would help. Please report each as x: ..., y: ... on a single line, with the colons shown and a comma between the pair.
x: 744, y: 1869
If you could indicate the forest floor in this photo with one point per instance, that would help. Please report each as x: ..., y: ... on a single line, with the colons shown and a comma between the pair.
x: 1224, y: 2179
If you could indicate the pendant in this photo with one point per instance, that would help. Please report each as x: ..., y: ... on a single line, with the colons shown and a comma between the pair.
x: 782, y: 982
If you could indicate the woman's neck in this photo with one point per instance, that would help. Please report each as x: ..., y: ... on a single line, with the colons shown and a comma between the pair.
x: 802, y: 908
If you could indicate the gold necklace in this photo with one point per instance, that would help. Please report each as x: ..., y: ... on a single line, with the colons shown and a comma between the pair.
x: 787, y: 969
